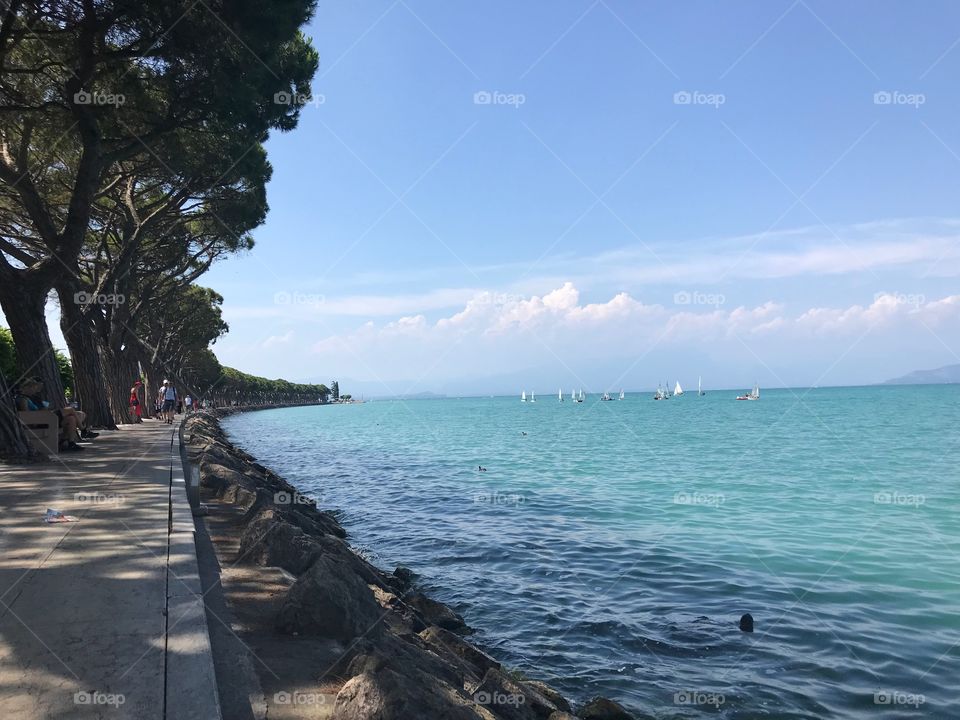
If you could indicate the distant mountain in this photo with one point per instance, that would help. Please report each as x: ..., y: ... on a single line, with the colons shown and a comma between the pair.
x: 940, y: 376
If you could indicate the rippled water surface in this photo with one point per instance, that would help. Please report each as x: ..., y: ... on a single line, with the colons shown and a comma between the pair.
x: 611, y: 547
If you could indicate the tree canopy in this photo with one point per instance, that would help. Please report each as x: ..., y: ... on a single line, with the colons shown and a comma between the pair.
x: 131, y: 159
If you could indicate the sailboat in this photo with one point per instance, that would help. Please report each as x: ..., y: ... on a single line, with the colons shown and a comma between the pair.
x: 523, y: 396
x: 580, y: 399
x: 752, y: 395
x: 678, y: 390
x: 573, y: 396
x: 661, y: 393
x: 621, y: 394
x: 699, y: 387
x: 606, y: 396
x: 559, y: 395
x: 533, y: 396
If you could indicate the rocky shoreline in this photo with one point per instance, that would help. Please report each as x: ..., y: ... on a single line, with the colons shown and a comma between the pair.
x: 400, y: 654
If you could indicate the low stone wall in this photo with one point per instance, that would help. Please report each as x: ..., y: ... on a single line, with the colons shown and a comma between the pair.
x: 405, y: 654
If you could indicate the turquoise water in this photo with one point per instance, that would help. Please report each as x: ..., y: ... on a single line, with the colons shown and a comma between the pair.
x: 612, y: 549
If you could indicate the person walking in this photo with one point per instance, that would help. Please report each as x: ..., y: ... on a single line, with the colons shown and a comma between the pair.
x: 169, y: 394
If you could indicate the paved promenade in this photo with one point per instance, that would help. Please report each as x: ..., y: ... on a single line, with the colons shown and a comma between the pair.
x: 103, y: 618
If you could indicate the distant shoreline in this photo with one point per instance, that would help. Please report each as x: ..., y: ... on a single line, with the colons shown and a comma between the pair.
x: 547, y: 397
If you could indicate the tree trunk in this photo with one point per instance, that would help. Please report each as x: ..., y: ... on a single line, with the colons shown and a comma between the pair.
x: 13, y: 441
x: 154, y: 383
x: 121, y: 373
x: 88, y: 372
x: 23, y: 305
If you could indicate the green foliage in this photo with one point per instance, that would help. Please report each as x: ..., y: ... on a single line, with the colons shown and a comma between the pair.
x: 8, y: 355
x: 66, y: 372
x: 236, y: 384
x: 8, y: 361
x: 203, y: 369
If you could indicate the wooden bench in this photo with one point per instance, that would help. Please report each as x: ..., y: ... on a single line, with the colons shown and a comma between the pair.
x: 42, y: 428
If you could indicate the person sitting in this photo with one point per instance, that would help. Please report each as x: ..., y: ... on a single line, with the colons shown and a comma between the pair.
x: 85, y: 432
x: 29, y: 398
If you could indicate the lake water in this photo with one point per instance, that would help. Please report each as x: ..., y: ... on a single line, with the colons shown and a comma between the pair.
x: 611, y: 547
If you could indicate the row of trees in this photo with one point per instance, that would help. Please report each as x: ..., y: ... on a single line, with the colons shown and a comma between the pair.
x: 235, y: 387
x: 131, y: 159
x: 217, y: 384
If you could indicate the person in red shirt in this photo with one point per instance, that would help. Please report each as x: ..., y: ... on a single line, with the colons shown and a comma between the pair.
x: 136, y: 409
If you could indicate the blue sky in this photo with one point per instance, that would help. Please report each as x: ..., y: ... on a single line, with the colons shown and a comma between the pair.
x: 751, y: 190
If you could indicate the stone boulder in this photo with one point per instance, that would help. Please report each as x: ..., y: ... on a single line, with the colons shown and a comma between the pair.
x: 538, y: 689
x: 331, y: 600
x: 217, y: 477
x: 410, y: 653
x: 268, y: 539
x: 222, y: 455
x: 437, y: 637
x: 600, y: 708
x: 508, y: 699
x: 243, y: 493
x: 385, y: 693
x: 315, y: 521
x: 436, y: 613
x: 402, y: 578
x: 401, y: 618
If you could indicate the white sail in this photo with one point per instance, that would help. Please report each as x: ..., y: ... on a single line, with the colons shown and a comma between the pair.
x: 699, y: 386
x: 678, y: 390
x: 573, y: 394
x: 533, y: 396
x: 756, y: 392
x: 581, y: 394
x: 560, y: 395
x: 523, y: 396
x: 621, y: 394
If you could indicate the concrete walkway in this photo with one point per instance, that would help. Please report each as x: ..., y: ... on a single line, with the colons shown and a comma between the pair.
x: 103, y: 618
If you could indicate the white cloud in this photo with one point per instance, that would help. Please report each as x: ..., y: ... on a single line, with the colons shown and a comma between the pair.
x: 908, y: 250
x: 942, y: 311
x: 887, y: 309
x: 560, y: 311
x: 498, y: 333
x: 275, y: 340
